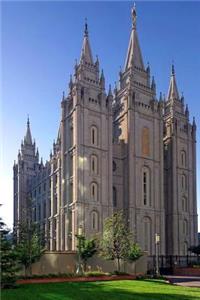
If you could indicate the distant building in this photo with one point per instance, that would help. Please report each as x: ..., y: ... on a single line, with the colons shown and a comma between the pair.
x: 122, y: 150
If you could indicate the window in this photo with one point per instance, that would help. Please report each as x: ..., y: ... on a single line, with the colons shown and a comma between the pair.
x: 184, y: 204
x: 44, y: 187
x: 183, y: 158
x: 114, y: 166
x: 94, y: 135
x: 185, y: 227
x: 146, y: 186
x: 183, y: 182
x: 39, y: 191
x: 114, y: 196
x: 94, y: 164
x: 145, y: 142
x: 94, y: 191
x: 44, y: 209
x: 147, y: 234
x: 94, y: 220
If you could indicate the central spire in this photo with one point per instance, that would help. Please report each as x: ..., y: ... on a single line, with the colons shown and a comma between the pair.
x: 134, y: 55
x: 86, y: 53
x: 28, y: 138
x: 173, y: 90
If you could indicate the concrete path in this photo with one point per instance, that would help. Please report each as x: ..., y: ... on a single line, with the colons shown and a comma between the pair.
x: 190, y: 281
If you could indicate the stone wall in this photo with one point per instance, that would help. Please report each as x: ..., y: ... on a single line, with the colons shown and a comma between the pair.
x: 66, y: 262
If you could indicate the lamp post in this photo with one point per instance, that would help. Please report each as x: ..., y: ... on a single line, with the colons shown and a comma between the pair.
x: 79, y: 237
x: 157, y: 241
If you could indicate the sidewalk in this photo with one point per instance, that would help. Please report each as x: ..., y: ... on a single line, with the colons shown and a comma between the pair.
x: 190, y: 281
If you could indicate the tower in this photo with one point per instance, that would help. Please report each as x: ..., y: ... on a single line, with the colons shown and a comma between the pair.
x: 86, y: 151
x: 180, y: 173
x: 138, y: 148
x: 23, y: 171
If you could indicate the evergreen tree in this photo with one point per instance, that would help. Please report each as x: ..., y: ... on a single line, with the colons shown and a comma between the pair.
x: 8, y: 258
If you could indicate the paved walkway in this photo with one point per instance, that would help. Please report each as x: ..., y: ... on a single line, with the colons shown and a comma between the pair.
x: 191, y: 281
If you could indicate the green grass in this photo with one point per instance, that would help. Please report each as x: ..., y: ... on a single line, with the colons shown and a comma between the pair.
x: 110, y: 290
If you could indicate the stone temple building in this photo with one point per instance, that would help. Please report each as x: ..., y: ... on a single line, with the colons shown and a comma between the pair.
x: 115, y: 150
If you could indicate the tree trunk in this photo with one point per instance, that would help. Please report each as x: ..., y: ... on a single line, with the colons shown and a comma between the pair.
x: 118, y: 264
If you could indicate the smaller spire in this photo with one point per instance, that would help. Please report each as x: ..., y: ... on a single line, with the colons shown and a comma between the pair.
x: 161, y: 97
x: 186, y: 111
x: 194, y: 123
x: 86, y: 53
x: 70, y: 83
x: 102, y: 80
x: 110, y: 90
x: 153, y: 85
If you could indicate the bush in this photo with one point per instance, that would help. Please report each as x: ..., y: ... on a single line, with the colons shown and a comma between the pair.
x: 116, y: 272
x: 95, y: 274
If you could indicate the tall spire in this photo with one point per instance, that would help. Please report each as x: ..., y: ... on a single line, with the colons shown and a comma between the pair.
x: 134, y: 55
x: 173, y: 90
x: 28, y: 138
x: 86, y: 53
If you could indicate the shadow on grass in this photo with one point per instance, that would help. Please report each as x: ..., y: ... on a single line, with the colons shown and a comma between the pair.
x: 126, y: 290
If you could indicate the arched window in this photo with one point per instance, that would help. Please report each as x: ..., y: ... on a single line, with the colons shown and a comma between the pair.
x: 114, y: 196
x: 94, y: 220
x: 146, y: 186
x: 145, y: 142
x: 184, y: 204
x: 183, y: 158
x: 94, y: 136
x: 94, y: 191
x: 185, y: 227
x: 183, y: 182
x: 94, y: 164
x: 147, y: 235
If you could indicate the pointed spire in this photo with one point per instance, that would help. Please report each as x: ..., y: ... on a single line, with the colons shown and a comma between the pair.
x: 102, y: 80
x: 194, y: 123
x: 86, y: 53
x: 186, y: 111
x: 161, y: 97
x: 173, y: 90
x: 110, y: 91
x: 134, y: 55
x: 153, y: 85
x: 28, y: 138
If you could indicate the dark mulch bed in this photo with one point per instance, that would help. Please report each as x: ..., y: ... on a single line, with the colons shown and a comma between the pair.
x: 76, y: 279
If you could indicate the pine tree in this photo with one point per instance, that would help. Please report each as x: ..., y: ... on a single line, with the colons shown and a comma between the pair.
x: 8, y: 254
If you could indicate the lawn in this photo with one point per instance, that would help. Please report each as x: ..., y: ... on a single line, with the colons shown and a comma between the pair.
x: 110, y: 290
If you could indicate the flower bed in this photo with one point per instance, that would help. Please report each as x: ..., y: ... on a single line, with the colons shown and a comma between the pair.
x: 187, y: 271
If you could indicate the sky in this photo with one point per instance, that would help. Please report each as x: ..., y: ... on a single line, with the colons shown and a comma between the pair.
x: 40, y: 42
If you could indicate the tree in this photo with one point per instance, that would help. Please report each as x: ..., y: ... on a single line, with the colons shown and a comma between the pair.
x: 8, y: 258
x: 29, y: 247
x: 30, y: 244
x: 135, y: 253
x: 86, y: 250
x: 116, y: 240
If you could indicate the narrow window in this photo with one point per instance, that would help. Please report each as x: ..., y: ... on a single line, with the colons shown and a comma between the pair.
x: 114, y: 196
x: 146, y: 186
x: 94, y: 220
x: 94, y: 191
x: 94, y: 164
x: 94, y: 135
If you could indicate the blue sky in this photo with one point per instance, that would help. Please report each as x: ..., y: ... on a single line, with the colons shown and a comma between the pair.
x: 41, y: 40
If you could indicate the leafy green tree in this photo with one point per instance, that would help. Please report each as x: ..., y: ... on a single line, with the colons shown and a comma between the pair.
x: 29, y: 247
x: 135, y: 253
x: 87, y: 249
x: 9, y: 265
x: 30, y: 241
x: 116, y: 240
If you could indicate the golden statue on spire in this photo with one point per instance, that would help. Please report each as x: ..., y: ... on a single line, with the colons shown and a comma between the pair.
x: 134, y: 15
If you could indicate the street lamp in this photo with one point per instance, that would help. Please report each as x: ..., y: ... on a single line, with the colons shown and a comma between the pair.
x: 157, y: 241
x: 79, y: 237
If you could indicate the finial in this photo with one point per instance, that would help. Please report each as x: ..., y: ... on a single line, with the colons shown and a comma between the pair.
x: 86, y: 28
x: 110, y: 90
x: 161, y: 97
x: 28, y: 121
x: 173, y: 70
x: 153, y: 84
x: 134, y: 16
x: 63, y: 96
